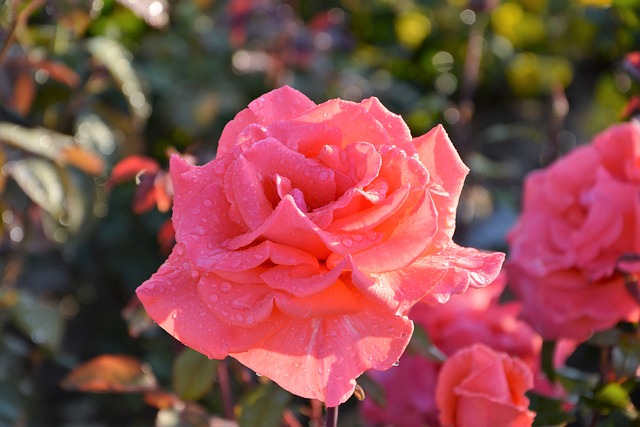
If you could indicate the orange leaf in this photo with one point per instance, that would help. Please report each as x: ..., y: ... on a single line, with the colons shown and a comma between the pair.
x: 160, y: 399
x: 84, y: 160
x: 111, y: 373
x: 24, y: 91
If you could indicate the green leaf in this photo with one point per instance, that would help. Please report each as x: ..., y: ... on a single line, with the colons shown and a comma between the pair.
x: 193, y: 374
x: 118, y: 61
x: 40, y: 180
x: 421, y: 344
x: 264, y: 406
x: 548, y: 350
x: 39, y: 319
x: 612, y: 395
x: 548, y: 411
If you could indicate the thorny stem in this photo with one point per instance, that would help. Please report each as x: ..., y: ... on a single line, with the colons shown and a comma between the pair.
x: 331, y: 417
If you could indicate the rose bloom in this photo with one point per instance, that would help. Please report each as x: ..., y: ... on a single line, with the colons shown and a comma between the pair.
x: 579, y: 222
x: 303, y: 245
x: 473, y: 317
x: 479, y: 387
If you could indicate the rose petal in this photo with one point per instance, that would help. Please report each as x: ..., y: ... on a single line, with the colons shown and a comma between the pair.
x: 249, y: 197
x: 437, y: 153
x: 325, y: 355
x: 279, y: 104
x: 353, y: 120
x: 316, y: 182
x: 200, y: 207
x: 246, y: 259
x: 305, y: 138
x: 302, y: 280
x: 408, y: 234
x: 394, y: 125
x: 334, y: 300
x: 171, y: 298
x: 464, y: 267
x: 235, y: 304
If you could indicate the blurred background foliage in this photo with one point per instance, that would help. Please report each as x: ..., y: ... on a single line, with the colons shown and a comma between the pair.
x: 85, y: 84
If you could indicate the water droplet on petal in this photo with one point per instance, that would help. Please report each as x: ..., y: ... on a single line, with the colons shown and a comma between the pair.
x: 179, y: 250
x: 225, y: 287
x: 207, y: 203
x: 397, y: 363
x: 347, y: 242
x: 333, y: 333
x: 213, y: 297
x: 324, y: 175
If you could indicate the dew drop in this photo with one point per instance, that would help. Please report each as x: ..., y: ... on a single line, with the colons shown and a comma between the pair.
x: 397, y: 363
x: 201, y: 326
x: 258, y: 375
x: 225, y: 287
x: 200, y: 230
x: 225, y: 313
x: 324, y: 175
x: 179, y: 250
x: 194, y: 274
x: 357, y: 237
x: 207, y: 203
x: 213, y: 297
x: 249, y: 320
x: 347, y: 242
x: 333, y: 333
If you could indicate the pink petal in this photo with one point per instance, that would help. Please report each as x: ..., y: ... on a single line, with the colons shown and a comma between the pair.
x: 253, y: 205
x: 335, y: 300
x: 441, y: 159
x: 464, y: 267
x: 246, y: 259
x: 357, y: 165
x: 320, y: 358
x: 395, y: 126
x: 366, y: 219
x: 287, y: 226
x: 409, y: 233
x: 399, y: 290
x: 270, y: 158
x: 171, y: 298
x: 305, y: 138
x: 236, y: 304
x: 302, y: 280
x: 353, y: 120
x: 280, y: 104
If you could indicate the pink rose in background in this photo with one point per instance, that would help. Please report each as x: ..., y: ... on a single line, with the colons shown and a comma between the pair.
x: 473, y: 317
x: 580, y: 219
x: 303, y: 245
x: 479, y: 387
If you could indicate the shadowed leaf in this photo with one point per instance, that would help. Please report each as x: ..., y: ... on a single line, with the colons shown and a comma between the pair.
x: 193, y: 374
x: 264, y: 406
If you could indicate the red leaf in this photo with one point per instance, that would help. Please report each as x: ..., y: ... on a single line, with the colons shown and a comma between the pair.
x: 111, y: 373
x: 130, y: 167
x: 632, y: 64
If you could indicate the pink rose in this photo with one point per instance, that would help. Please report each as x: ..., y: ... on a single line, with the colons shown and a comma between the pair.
x: 579, y: 221
x: 303, y: 245
x: 479, y: 387
x: 471, y: 318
